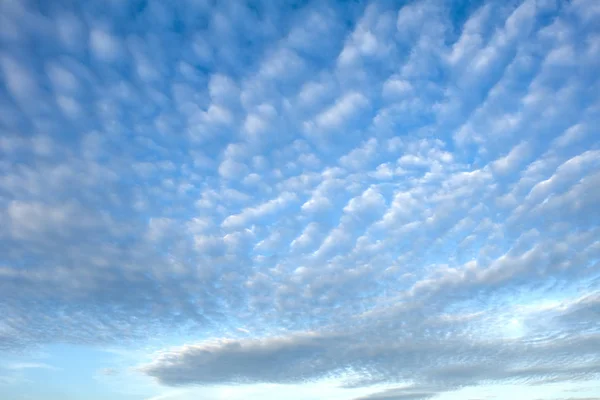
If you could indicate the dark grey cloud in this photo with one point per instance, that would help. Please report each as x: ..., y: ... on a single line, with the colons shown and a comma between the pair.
x: 436, y: 356
x: 400, y: 394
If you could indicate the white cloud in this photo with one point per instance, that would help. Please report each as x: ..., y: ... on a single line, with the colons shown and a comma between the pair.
x: 62, y: 78
x: 360, y: 156
x: 104, y: 45
x: 573, y: 134
x: 71, y: 30
x: 222, y: 89
x: 231, y: 169
x: 370, y: 200
x: 316, y: 204
x: 344, y: 109
x: 19, y: 80
x: 383, y: 172
x: 259, y: 122
x: 396, y: 87
x: 29, y: 220
x: 249, y: 214
x: 307, y: 237
x: 283, y: 63
x: 254, y: 124
x: 512, y: 160
x: 314, y: 92
x: 31, y: 365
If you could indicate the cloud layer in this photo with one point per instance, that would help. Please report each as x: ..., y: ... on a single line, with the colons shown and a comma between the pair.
x: 392, y: 193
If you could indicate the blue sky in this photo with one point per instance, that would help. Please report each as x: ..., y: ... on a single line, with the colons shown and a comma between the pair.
x: 301, y: 200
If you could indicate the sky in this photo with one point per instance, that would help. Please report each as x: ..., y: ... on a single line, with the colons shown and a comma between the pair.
x: 352, y: 200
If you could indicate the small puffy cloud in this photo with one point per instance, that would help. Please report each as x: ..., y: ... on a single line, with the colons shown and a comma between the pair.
x: 104, y: 45
x: 361, y: 156
x: 222, y: 89
x: 264, y: 209
x: 283, y: 63
x: 337, y: 115
x: 383, y: 172
x: 512, y: 160
x: 18, y: 79
x: 316, y: 203
x: 28, y: 220
x: 369, y: 200
x: 313, y: 93
x: 62, y: 78
x: 232, y: 169
x: 259, y: 122
x: 396, y: 88
x: 308, y: 236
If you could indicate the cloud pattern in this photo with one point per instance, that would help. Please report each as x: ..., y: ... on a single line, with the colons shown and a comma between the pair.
x: 401, y: 193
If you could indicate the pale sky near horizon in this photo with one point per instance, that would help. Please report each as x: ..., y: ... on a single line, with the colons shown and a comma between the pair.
x: 337, y: 200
